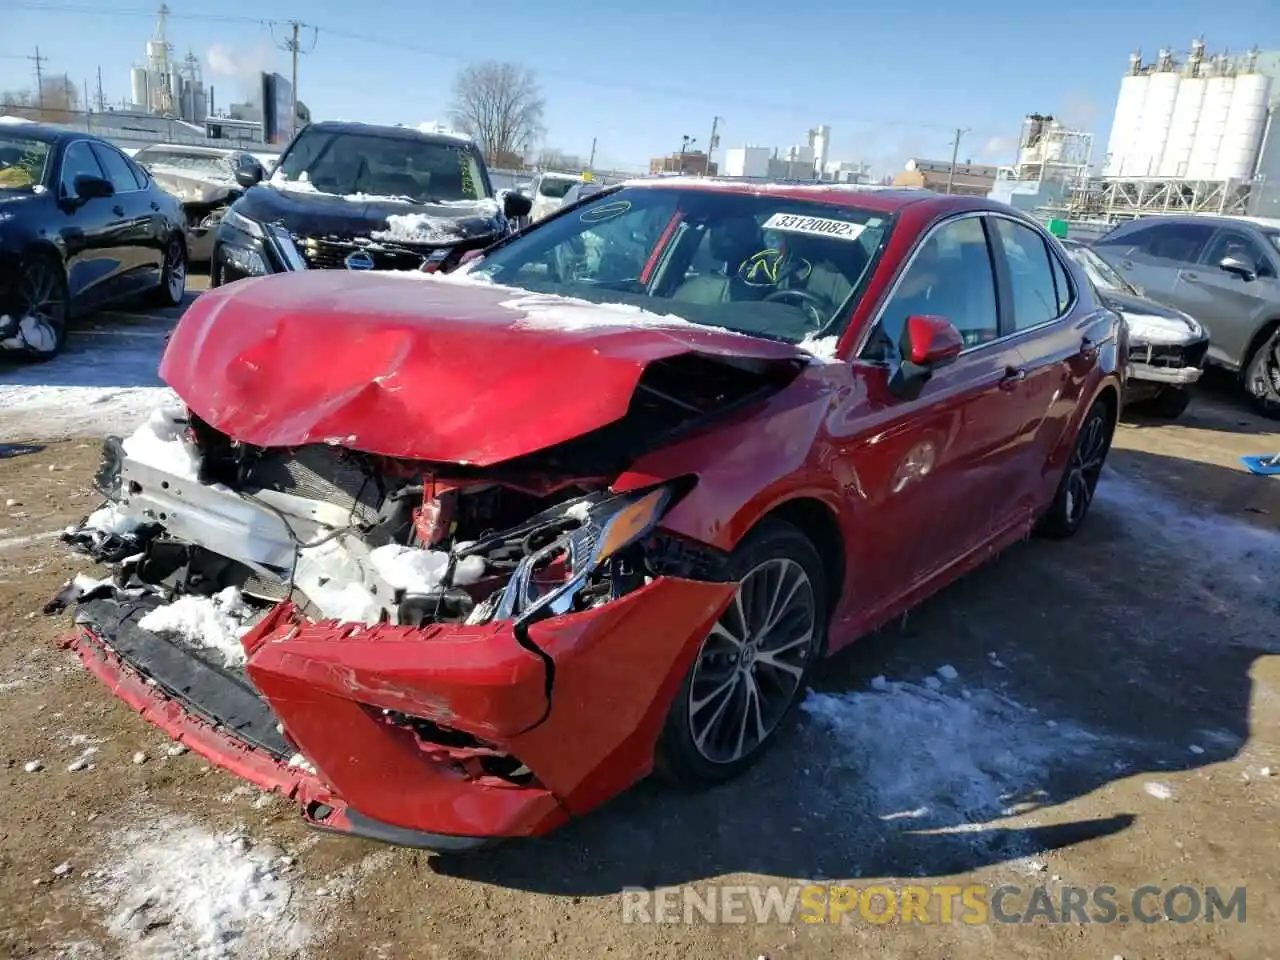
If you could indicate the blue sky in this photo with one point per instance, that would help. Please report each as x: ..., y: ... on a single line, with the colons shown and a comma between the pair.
x: 893, y: 80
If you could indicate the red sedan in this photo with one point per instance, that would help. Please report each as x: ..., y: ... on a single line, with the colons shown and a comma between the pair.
x: 455, y: 558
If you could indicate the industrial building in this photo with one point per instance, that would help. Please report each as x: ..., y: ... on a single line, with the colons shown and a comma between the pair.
x: 806, y: 161
x: 1191, y: 134
x: 967, y: 178
x: 164, y: 87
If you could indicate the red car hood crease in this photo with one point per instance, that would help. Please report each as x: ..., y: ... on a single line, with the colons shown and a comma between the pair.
x: 415, y: 368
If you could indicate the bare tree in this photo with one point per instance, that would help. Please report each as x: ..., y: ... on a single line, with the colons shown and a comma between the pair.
x: 501, y: 105
x: 59, y: 103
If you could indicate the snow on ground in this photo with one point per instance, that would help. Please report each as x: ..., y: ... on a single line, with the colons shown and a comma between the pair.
x: 172, y: 888
x: 208, y: 623
x: 974, y: 753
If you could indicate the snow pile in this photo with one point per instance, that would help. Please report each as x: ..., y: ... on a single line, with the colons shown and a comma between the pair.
x: 1241, y: 570
x: 161, y: 443
x: 823, y: 348
x: 33, y: 332
x: 208, y: 623
x: 281, y: 182
x: 418, y: 571
x: 418, y: 228
x: 552, y: 312
x: 974, y: 753
x: 9, y: 119
x: 110, y: 521
x: 442, y: 130
x: 174, y: 889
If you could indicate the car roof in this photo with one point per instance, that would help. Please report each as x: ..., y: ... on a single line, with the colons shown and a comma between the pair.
x: 44, y: 132
x: 389, y: 131
x: 192, y: 150
x: 854, y: 195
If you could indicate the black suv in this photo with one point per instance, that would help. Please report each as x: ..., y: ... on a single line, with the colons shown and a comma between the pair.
x: 356, y: 196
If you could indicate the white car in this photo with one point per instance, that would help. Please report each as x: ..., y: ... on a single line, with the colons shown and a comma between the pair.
x: 548, y: 191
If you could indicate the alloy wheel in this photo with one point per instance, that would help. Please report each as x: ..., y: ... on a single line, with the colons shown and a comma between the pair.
x: 1264, y: 373
x: 1085, y: 467
x: 42, y: 317
x: 753, y: 661
x: 175, y: 269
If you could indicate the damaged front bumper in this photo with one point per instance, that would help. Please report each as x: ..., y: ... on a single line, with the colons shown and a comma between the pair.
x: 535, y: 704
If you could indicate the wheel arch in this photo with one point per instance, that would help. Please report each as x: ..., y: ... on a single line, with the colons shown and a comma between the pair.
x: 819, y: 523
x: 1260, y: 336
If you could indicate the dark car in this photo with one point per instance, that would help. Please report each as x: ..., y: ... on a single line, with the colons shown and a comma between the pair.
x: 1224, y: 271
x: 486, y: 560
x: 357, y: 196
x: 81, y: 226
x: 1166, y: 346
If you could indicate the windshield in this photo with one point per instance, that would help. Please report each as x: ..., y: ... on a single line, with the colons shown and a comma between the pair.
x: 204, y: 164
x: 22, y: 162
x: 1274, y: 238
x: 1100, y: 272
x: 770, y: 266
x: 347, y: 164
x: 556, y: 188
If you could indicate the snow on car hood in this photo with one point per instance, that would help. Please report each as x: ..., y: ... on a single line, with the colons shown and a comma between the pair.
x: 404, y: 365
x: 191, y: 186
x: 1151, y: 322
x: 306, y: 211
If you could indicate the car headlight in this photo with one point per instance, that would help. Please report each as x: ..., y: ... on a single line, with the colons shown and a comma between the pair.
x: 242, y: 223
x: 607, y: 528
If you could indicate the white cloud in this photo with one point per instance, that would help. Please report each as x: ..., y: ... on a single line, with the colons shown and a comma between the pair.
x: 999, y: 148
x: 225, y: 61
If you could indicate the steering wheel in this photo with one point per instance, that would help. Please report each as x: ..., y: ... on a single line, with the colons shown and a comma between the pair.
x: 814, y: 306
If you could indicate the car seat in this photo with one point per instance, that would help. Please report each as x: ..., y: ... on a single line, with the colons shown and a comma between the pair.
x: 729, y: 242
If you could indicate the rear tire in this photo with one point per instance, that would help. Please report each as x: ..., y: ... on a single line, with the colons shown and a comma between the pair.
x: 43, y: 309
x: 173, y: 276
x: 753, y: 668
x: 1071, y: 503
x: 1261, y: 377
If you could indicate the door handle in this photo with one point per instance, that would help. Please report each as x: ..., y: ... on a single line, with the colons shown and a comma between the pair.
x: 118, y: 211
x: 1191, y: 277
x: 155, y: 206
x: 1012, y: 377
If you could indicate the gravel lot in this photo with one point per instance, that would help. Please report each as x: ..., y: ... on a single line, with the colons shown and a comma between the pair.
x: 1111, y: 715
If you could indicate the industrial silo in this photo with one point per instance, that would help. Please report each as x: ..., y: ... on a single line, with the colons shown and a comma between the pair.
x: 1124, y: 128
x: 1157, y: 118
x: 1242, y: 133
x: 1176, y: 158
x: 1212, y: 124
x: 138, y: 88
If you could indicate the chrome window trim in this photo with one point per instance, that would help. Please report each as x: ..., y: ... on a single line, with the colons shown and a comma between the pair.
x: 856, y: 353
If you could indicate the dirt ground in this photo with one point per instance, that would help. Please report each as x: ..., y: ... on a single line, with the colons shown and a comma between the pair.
x: 1113, y: 718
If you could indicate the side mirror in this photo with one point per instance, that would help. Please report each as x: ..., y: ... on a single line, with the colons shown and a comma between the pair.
x: 1242, y: 267
x: 515, y: 206
x: 250, y: 175
x: 928, y: 344
x: 89, y: 187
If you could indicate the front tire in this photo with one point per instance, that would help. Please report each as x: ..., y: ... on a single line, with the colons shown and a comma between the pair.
x: 1080, y: 479
x: 752, y: 668
x: 1261, y: 377
x: 43, y: 309
x: 173, y: 276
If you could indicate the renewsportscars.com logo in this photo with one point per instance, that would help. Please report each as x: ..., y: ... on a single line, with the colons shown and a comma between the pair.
x: 972, y: 904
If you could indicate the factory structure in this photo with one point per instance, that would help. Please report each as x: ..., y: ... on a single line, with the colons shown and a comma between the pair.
x: 807, y: 161
x: 1193, y: 133
x: 165, y: 86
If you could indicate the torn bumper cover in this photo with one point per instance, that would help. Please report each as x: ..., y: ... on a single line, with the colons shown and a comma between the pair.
x: 537, y: 702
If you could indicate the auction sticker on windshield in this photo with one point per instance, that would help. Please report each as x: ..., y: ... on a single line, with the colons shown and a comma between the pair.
x: 818, y: 226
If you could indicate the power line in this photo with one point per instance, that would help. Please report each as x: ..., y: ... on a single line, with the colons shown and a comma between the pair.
x: 39, y: 62
x: 668, y: 93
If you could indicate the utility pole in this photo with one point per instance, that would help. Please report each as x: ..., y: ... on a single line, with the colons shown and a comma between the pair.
x: 88, y: 115
x: 712, y: 144
x: 102, y: 100
x: 39, y: 62
x: 955, y: 152
x: 591, y: 163
x: 293, y: 46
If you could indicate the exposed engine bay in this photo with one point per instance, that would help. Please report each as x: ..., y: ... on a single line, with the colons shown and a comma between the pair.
x: 208, y: 533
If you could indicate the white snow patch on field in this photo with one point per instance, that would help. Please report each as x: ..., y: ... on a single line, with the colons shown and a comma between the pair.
x: 1231, y: 563
x: 209, y: 623
x: 174, y: 889
x: 975, y: 755
x: 56, y: 412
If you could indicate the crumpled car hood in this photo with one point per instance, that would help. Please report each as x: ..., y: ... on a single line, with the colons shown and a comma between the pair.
x: 191, y: 187
x: 406, y: 365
